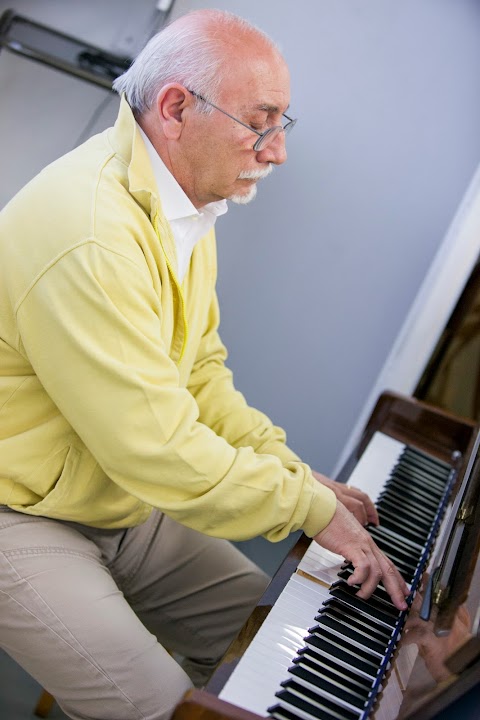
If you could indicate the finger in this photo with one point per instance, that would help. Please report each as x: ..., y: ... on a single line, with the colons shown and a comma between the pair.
x: 356, y: 508
x: 393, y: 582
x: 367, y: 572
x: 361, y: 569
x: 390, y: 570
x: 380, y: 569
x: 372, y: 513
x: 368, y: 576
x: 369, y: 507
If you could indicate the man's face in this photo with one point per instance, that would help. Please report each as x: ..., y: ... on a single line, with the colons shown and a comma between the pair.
x: 218, y: 152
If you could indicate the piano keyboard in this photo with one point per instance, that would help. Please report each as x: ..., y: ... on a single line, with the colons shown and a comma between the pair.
x: 322, y: 653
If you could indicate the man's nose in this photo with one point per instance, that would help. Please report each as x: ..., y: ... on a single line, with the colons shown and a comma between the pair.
x: 275, y: 152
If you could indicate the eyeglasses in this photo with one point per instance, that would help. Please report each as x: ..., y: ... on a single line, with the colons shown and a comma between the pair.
x: 264, y: 138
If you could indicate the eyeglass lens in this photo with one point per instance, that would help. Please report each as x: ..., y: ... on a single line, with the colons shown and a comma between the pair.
x: 269, y: 135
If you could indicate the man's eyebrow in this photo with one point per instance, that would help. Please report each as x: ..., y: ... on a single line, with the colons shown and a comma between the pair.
x: 265, y: 107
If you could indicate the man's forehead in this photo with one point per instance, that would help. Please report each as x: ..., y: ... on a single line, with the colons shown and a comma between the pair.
x: 260, y: 83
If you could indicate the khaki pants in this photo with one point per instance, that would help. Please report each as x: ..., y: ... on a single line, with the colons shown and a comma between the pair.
x: 89, y: 613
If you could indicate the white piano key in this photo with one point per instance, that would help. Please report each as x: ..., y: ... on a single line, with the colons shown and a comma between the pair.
x: 277, y: 642
x: 375, y: 465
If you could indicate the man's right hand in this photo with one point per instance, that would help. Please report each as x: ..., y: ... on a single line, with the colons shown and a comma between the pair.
x: 345, y: 536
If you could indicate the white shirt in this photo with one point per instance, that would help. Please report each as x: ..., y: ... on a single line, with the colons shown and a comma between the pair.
x: 188, y: 224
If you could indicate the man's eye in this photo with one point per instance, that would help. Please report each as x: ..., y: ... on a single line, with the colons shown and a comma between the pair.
x: 259, y: 127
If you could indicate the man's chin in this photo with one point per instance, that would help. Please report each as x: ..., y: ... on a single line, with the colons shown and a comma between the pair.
x: 244, y: 198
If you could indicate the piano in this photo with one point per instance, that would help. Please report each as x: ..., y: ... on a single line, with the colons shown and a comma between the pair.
x: 312, y: 650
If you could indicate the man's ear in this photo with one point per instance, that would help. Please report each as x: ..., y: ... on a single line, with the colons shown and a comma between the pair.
x: 171, y: 103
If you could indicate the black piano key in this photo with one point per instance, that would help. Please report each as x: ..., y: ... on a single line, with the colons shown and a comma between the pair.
x: 347, y: 614
x: 375, y: 628
x: 348, y: 631
x: 389, y: 520
x: 377, y: 599
x: 280, y: 713
x: 346, y: 594
x: 299, y: 696
x: 423, y: 470
x: 379, y: 642
x: 427, y: 457
x: 353, y: 658
x: 408, y: 510
x: 412, y: 491
x: 417, y: 482
x: 330, y: 669
x: 298, y: 711
x: 408, y: 503
x: 436, y: 469
x: 423, y: 455
x: 398, y: 490
x: 328, y: 685
x: 313, y: 655
x: 380, y: 592
x: 435, y: 474
x: 380, y: 533
x: 364, y: 653
x: 406, y: 520
x: 418, y: 479
x: 415, y: 548
x: 398, y: 557
x: 373, y: 601
x: 407, y: 570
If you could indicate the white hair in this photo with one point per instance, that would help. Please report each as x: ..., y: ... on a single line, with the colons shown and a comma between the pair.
x: 188, y: 51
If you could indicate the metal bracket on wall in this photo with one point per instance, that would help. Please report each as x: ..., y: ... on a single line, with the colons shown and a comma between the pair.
x: 48, y: 46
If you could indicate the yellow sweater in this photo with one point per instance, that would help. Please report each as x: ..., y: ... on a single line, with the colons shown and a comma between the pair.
x: 114, y: 396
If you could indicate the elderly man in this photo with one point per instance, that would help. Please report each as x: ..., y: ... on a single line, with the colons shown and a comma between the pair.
x: 127, y: 458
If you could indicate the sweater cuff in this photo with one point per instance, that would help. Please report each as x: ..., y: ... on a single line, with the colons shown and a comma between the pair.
x: 322, y: 509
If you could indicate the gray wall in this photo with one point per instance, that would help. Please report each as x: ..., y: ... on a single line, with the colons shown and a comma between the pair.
x: 318, y: 273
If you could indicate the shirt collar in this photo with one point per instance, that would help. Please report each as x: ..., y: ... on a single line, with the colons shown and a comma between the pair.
x: 175, y: 203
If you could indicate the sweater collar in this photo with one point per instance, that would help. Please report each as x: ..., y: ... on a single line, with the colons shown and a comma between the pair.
x: 128, y: 144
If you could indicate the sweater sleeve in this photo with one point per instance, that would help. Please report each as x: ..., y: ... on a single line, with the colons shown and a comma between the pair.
x: 91, y: 326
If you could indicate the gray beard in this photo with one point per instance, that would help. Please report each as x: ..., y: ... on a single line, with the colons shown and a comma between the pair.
x: 246, y: 198
x: 250, y: 175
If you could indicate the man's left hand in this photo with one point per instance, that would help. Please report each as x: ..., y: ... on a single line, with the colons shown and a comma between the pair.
x: 354, y: 499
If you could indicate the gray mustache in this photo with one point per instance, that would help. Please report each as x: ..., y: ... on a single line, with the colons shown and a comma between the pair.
x: 256, y: 174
